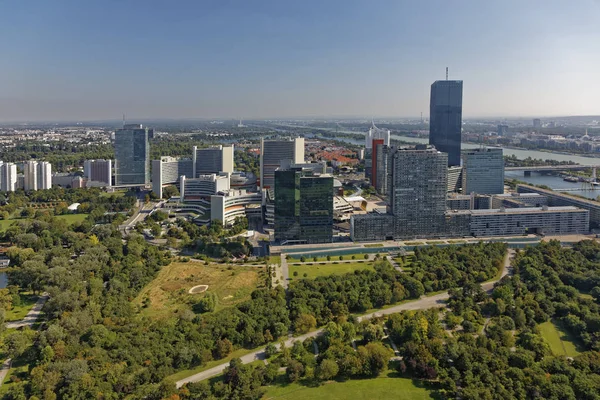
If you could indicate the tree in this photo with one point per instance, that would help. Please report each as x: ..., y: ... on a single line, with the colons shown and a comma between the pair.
x: 270, y: 350
x: 294, y: 370
x: 328, y: 369
x: 366, y: 256
x: 15, y: 344
x: 305, y: 323
x: 373, y: 332
x: 206, y: 304
x: 223, y: 348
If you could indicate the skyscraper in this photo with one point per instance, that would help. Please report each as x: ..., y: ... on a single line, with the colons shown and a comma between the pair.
x: 8, y: 177
x: 44, y: 175
x: 445, y: 118
x: 377, y: 133
x: 132, y: 155
x: 37, y: 175
x: 483, y: 171
x: 273, y: 153
x: 303, y: 206
x: 212, y: 160
x: 537, y: 123
x: 30, y: 179
x: 418, y: 191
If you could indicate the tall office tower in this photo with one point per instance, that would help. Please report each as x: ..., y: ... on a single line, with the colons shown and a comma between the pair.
x: 502, y: 130
x: 98, y: 171
x: 376, y: 133
x: 273, y: 152
x: 44, y: 175
x: 374, y: 147
x: 380, y: 166
x: 483, y: 171
x: 445, y: 118
x: 132, y: 155
x: 537, y: 123
x: 212, y: 160
x: 303, y: 206
x: 168, y: 170
x: 8, y: 177
x: 30, y: 179
x: 418, y: 191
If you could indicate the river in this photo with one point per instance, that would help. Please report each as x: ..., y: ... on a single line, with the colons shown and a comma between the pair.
x: 554, y: 182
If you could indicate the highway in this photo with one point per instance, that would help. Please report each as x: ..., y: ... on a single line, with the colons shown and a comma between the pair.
x: 438, y: 300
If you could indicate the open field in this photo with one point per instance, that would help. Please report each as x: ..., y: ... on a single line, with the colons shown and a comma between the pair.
x: 316, y: 270
x: 360, y: 389
x: 561, y: 343
x: 19, y: 312
x: 70, y: 218
x: 168, y: 292
x: 357, y: 256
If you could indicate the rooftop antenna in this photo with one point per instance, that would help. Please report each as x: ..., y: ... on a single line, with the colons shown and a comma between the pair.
x: 446, y: 73
x: 123, y: 120
x: 421, y: 117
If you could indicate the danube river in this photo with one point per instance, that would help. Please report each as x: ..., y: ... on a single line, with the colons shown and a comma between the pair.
x: 554, y: 182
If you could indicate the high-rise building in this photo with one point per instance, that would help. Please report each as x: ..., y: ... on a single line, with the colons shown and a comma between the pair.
x: 303, y: 206
x: 37, y: 175
x: 380, y: 175
x: 483, y: 171
x: 98, y: 171
x: 445, y: 118
x: 168, y: 170
x: 273, y: 153
x: 502, y: 130
x: 377, y: 144
x: 132, y: 155
x: 537, y: 123
x: 376, y: 133
x: 30, y: 179
x: 212, y: 160
x: 418, y: 191
x: 8, y: 177
x: 44, y: 175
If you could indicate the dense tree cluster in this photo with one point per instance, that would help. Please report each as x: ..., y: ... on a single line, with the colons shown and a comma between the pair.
x: 443, y: 268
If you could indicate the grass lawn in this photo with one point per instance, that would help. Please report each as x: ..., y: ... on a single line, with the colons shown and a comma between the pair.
x: 385, y: 387
x: 275, y: 260
x: 347, y: 257
x: 70, y: 218
x: 168, y: 292
x: 73, y: 218
x: 374, y: 245
x: 327, y: 269
x: 561, y: 343
x: 413, y: 243
x: 119, y: 193
x: 19, y: 312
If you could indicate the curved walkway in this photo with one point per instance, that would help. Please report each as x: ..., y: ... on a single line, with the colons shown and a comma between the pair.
x: 423, y: 303
x: 32, y: 316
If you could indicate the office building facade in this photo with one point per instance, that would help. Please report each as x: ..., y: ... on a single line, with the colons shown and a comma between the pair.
x: 303, y: 206
x: 167, y: 171
x: 483, y: 171
x: 417, y: 193
x: 132, y: 156
x: 202, y: 187
x: 445, y: 118
x: 37, y: 175
x: 273, y: 153
x: 212, y: 160
x: 98, y: 171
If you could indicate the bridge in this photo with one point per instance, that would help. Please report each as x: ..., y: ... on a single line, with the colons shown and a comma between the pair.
x: 570, y: 167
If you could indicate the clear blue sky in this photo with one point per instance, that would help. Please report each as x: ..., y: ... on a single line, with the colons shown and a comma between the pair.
x: 95, y: 59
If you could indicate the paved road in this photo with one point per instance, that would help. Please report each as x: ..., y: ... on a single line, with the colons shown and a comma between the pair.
x: 285, y: 271
x: 4, y: 370
x: 438, y: 300
x: 31, y: 316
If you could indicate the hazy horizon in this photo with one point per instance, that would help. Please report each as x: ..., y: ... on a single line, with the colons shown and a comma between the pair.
x: 93, y: 61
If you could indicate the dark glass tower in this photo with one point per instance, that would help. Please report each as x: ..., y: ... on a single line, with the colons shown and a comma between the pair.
x: 132, y: 155
x: 445, y: 118
x: 303, y: 206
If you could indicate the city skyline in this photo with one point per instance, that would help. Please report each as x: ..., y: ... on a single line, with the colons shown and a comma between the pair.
x: 309, y: 59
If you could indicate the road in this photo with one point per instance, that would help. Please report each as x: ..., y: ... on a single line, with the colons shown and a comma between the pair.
x: 32, y: 316
x: 4, y: 370
x: 423, y: 303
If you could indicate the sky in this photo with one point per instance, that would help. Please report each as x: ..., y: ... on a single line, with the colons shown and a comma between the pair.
x: 97, y: 59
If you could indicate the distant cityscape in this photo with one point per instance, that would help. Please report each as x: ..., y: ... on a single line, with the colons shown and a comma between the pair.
x: 435, y: 190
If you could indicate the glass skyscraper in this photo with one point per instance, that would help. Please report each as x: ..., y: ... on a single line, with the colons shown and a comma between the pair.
x: 132, y: 156
x: 483, y: 171
x: 303, y: 206
x: 445, y: 118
